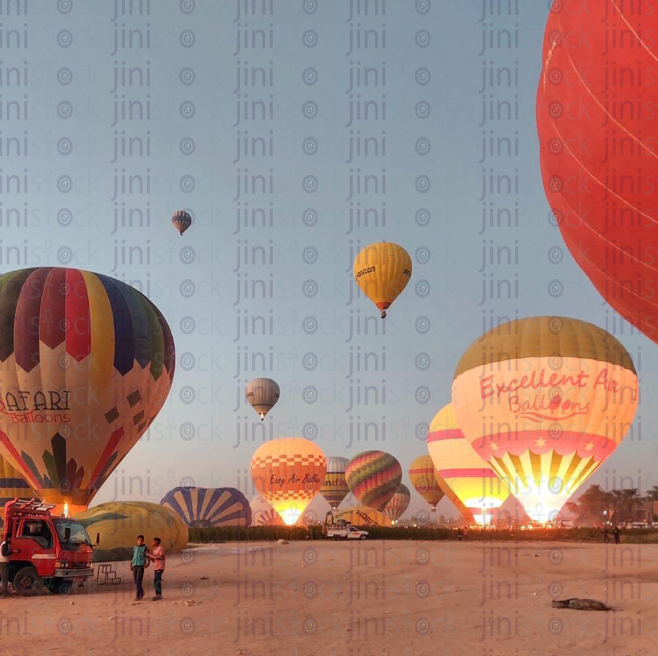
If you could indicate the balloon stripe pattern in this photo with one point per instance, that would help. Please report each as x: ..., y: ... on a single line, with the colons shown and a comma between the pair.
x: 80, y: 352
x: 423, y: 476
x: 182, y: 220
x: 545, y: 400
x: 201, y: 507
x: 373, y: 477
x: 262, y: 394
x: 335, y: 488
x: 400, y: 501
x: 12, y: 485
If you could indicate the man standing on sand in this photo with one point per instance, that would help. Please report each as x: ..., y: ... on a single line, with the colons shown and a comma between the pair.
x: 5, y: 552
x: 158, y: 558
x: 137, y: 566
x: 616, y: 534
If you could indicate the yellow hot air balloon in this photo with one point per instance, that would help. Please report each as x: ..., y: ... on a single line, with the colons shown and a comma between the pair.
x: 288, y: 473
x: 423, y: 477
x: 382, y: 271
x: 545, y: 400
x: 362, y: 516
x: 12, y: 485
x: 470, y: 478
x: 262, y: 394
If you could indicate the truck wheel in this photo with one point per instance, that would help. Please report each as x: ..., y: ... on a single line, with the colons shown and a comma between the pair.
x: 63, y: 587
x: 27, y: 582
x: 363, y: 537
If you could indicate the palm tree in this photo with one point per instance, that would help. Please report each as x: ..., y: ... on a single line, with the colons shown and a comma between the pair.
x: 652, y: 494
x: 626, y: 502
x: 594, y: 502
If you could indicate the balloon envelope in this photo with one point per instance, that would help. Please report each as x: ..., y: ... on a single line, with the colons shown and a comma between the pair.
x: 399, y: 503
x: 262, y: 394
x: 335, y: 488
x: 12, y: 486
x: 181, y: 220
x: 362, y: 516
x: 423, y: 476
x: 545, y: 401
x: 262, y: 514
x: 201, y: 507
x: 373, y: 478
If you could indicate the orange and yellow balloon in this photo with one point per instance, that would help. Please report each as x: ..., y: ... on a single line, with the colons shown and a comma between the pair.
x: 423, y: 477
x: 382, y: 271
x: 545, y: 401
x: 288, y: 473
x: 396, y: 507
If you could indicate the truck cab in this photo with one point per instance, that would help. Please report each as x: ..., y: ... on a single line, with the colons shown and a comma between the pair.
x: 45, y: 549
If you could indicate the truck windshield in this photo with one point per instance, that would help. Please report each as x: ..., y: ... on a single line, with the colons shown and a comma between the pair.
x: 78, y: 534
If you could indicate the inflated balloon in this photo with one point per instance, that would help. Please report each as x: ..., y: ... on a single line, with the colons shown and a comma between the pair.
x: 12, y: 486
x: 200, y: 507
x: 335, y: 488
x: 382, y: 271
x: 262, y: 514
x: 596, y: 123
x: 288, y: 473
x: 469, y: 477
x: 373, y: 477
x: 87, y: 363
x: 262, y: 394
x: 423, y: 477
x: 545, y: 401
x: 399, y: 503
x: 362, y: 516
x: 182, y: 220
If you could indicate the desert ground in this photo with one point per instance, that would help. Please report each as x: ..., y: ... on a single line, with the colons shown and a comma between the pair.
x: 361, y: 598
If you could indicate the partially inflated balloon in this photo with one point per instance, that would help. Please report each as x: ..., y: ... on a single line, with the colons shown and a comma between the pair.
x: 181, y: 220
x: 545, y: 401
x: 399, y: 503
x: 470, y: 478
x: 199, y: 507
x: 12, y: 486
x: 288, y: 473
x: 87, y: 363
x: 373, y: 477
x: 382, y: 271
x: 262, y: 514
x: 423, y: 477
x: 262, y: 394
x: 362, y: 516
x: 335, y: 488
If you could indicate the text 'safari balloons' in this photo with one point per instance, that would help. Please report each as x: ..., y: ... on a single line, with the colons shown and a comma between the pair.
x: 382, y: 271
x: 12, y: 486
x: 423, y: 477
x: 262, y: 394
x: 596, y: 128
x: 545, y: 401
x: 204, y: 508
x: 335, y: 488
x: 470, y: 478
x: 399, y: 503
x: 288, y: 473
x: 87, y: 363
x: 373, y: 478
x: 181, y: 220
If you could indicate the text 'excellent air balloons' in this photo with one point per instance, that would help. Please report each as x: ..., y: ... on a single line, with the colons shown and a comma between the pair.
x: 470, y: 478
x: 373, y: 478
x: 200, y: 507
x: 335, y: 488
x: 423, y: 476
x: 288, y: 473
x: 262, y: 395
x: 382, y: 271
x: 87, y: 363
x: 545, y: 401
x: 595, y: 126
x: 181, y: 220
x: 399, y: 503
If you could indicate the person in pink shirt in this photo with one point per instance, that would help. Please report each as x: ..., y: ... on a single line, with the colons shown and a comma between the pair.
x: 157, y: 555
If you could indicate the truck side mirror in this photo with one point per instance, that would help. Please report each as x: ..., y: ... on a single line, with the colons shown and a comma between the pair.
x: 98, y: 539
x: 67, y: 534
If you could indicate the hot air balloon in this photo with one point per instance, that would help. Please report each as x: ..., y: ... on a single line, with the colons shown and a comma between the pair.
x: 545, y: 401
x: 362, y: 516
x: 262, y: 394
x: 597, y: 157
x: 288, y: 473
x: 335, y: 488
x: 382, y: 271
x: 200, y: 507
x: 12, y: 485
x: 181, y: 220
x: 262, y: 514
x: 373, y: 477
x: 423, y: 477
x: 399, y: 503
x: 87, y: 363
x: 469, y: 477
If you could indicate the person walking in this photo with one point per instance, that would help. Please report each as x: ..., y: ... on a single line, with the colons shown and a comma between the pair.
x: 606, y: 536
x: 617, y: 534
x: 157, y: 557
x: 137, y: 566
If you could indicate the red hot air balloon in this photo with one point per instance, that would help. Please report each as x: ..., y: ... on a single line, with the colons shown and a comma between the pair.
x: 598, y: 155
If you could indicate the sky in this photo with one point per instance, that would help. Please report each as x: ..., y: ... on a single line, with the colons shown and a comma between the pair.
x: 429, y: 96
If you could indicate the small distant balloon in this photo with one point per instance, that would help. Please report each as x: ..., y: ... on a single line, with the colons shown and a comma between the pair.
x: 262, y: 394
x: 182, y: 220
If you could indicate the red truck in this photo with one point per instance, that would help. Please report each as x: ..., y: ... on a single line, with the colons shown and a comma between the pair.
x: 49, y: 551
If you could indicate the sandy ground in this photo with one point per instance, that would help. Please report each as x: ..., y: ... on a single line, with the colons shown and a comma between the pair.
x: 358, y: 599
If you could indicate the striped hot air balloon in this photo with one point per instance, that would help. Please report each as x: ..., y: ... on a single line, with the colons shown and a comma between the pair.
x: 12, y: 485
x: 181, y: 220
x: 469, y: 477
x: 400, y: 501
x: 373, y: 477
x: 262, y: 514
x: 262, y: 394
x: 423, y: 476
x: 87, y: 363
x: 335, y: 488
x: 545, y: 401
x: 200, y: 507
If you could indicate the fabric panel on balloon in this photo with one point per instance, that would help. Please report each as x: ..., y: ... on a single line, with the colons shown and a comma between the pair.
x: 373, y: 478
x: 201, y: 507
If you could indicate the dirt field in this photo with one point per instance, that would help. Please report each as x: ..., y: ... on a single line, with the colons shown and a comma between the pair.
x: 368, y: 598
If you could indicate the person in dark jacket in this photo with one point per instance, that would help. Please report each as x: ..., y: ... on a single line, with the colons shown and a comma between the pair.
x: 616, y: 534
x: 5, y: 552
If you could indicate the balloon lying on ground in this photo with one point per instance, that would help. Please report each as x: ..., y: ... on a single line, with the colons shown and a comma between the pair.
x: 80, y: 352
x: 288, y: 472
x: 399, y: 503
x: 545, y: 401
x: 373, y: 477
x: 471, y: 479
x: 120, y: 522
x: 262, y: 395
x: 362, y: 516
x: 423, y: 476
x: 199, y: 507
x: 335, y: 488
x: 181, y: 220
